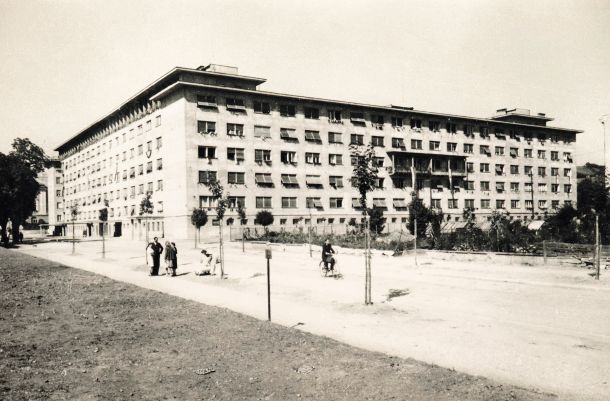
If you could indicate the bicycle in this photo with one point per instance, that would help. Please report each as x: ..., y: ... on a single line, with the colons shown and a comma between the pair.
x: 324, y: 272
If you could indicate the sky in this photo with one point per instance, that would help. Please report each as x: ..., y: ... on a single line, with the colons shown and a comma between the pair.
x: 66, y: 63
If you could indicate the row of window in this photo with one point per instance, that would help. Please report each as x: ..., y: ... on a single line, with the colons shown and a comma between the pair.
x: 127, y: 192
x: 312, y: 136
x: 400, y: 204
x: 97, y: 166
x: 377, y: 121
x: 101, y: 148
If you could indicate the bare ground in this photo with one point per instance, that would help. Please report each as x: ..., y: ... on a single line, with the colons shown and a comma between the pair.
x: 66, y: 334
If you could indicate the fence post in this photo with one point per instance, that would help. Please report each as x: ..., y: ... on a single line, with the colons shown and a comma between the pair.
x: 544, y: 250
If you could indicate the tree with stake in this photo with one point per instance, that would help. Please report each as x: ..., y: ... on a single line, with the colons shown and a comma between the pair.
x: 104, y: 218
x: 264, y: 218
x: 222, y: 202
x: 73, y: 215
x: 146, y: 209
x: 364, y: 178
x: 199, y: 218
x: 241, y: 212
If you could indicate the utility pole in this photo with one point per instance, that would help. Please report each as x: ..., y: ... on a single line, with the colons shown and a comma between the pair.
x: 415, y: 244
x: 309, y: 234
x: 597, y: 246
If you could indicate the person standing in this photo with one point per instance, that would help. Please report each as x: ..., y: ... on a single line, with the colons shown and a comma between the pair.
x: 174, y: 259
x: 169, y: 258
x: 156, y: 257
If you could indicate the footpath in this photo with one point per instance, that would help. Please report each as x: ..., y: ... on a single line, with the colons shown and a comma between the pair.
x: 544, y: 328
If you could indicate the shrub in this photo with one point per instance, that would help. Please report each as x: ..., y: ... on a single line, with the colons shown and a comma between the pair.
x: 264, y: 218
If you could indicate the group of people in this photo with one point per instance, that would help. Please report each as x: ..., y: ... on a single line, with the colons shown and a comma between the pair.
x: 155, y: 249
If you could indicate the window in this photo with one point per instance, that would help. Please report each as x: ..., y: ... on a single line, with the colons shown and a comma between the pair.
x: 312, y: 158
x: 288, y: 134
x: 452, y: 203
x: 357, y: 118
x: 159, y: 185
x: 567, y: 157
x: 499, y: 133
x: 554, y: 172
x: 131, y: 153
x: 435, y: 145
x: 235, y: 201
x: 451, y: 147
x: 499, y: 169
x: 140, y: 150
x: 554, y: 188
x: 148, y: 125
x: 262, y: 131
x: 378, y: 161
x: 469, y: 203
x: 263, y: 202
x: 397, y: 122
x: 235, y: 129
x: 237, y: 178
x: 416, y: 144
x: 567, y: 188
x: 336, y: 203
x: 527, y: 187
x: 567, y: 172
x: 236, y: 154
x: 484, y: 150
x: 470, y: 167
x: 485, y: 204
x: 434, y: 126
x: 542, y: 187
x: 542, y: 171
x: 468, y: 131
x: 313, y: 181
x: 290, y: 180
x: 527, y: 153
x: 140, y: 130
x: 312, y: 203
x: 334, y: 116
x: 435, y: 204
x: 379, y: 203
x: 140, y: 170
x: 288, y: 110
x: 236, y: 105
x: 377, y: 141
x: 451, y: 128
x: 356, y: 139
x: 484, y: 132
x: 416, y: 123
x: 289, y: 202
x: 157, y: 122
x: 206, y: 127
x: 499, y: 187
x: 207, y: 177
x: 542, y: 204
x: 377, y: 121
x: 398, y: 143
x: 514, y: 169
x: 206, y: 152
x: 262, y: 107
x: 499, y: 203
x: 334, y: 137
x: 206, y: 101
x: 468, y: 148
x: 313, y: 136
x: 262, y: 155
x: 542, y: 154
x: 499, y: 151
x: 484, y: 185
x: 148, y: 148
x: 263, y: 179
x: 527, y: 170
x: 555, y: 204
x: 287, y: 157
x: 515, y: 204
x: 335, y: 159
x: 335, y: 181
x: 312, y: 113
x: 529, y: 204
x: 484, y: 167
x: 149, y: 187
x: 149, y: 167
x: 469, y: 185
x: 554, y: 155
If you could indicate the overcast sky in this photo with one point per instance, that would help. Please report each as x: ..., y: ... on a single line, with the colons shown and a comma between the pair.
x: 64, y: 64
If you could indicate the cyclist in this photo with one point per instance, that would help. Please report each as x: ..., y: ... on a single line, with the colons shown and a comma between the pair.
x: 327, y: 255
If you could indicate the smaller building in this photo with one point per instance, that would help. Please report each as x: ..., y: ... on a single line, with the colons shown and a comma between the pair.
x: 49, y: 213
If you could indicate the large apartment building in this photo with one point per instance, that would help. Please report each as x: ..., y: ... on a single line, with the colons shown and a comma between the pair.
x: 290, y: 154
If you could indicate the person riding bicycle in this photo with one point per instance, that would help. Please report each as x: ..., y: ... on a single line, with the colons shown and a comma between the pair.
x: 327, y: 255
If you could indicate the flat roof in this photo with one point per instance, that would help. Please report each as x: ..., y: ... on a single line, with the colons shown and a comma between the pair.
x: 170, y: 81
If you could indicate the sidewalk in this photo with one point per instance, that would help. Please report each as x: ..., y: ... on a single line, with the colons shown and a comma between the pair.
x: 536, y: 327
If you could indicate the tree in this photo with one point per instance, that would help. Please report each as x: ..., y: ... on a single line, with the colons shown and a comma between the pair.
x: 241, y: 212
x: 264, y: 218
x: 18, y: 185
x: 418, y: 211
x: 146, y: 209
x: 364, y: 178
x: 498, y: 232
x: 199, y: 218
x: 103, y: 216
x: 73, y: 215
x: 222, y: 202
x: 377, y: 220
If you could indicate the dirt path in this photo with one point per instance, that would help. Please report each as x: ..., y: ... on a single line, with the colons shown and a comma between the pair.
x: 70, y: 334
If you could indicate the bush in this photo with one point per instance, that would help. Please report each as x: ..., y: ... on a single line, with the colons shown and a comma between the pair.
x: 264, y: 218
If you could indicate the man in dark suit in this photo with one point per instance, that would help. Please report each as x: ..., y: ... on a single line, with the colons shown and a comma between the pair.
x: 158, y: 250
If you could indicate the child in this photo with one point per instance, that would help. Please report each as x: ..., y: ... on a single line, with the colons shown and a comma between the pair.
x: 206, y: 262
